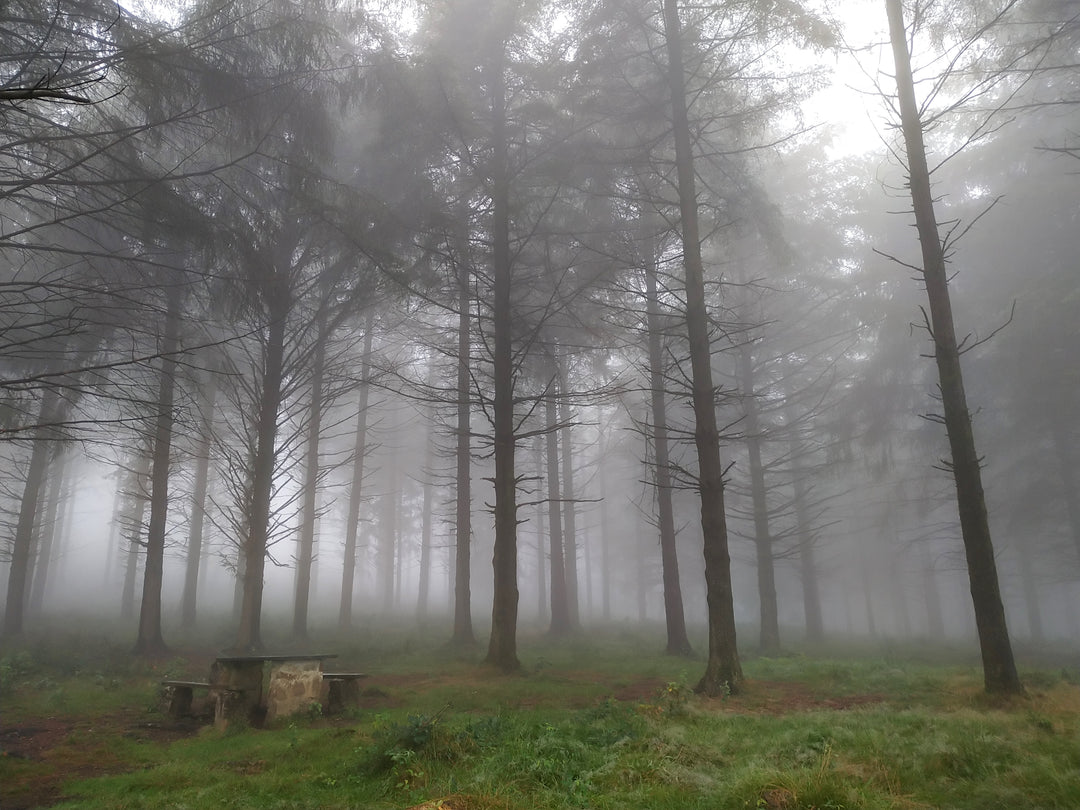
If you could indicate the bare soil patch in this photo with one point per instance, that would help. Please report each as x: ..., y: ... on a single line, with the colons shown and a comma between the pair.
x: 44, y: 754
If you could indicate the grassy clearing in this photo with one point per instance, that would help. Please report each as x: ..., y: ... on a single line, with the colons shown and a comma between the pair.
x: 599, y: 725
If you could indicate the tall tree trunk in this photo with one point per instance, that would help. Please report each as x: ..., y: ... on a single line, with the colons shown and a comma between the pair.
x: 935, y: 618
x: 47, y: 531
x: 868, y: 599
x: 423, y: 585
x: 1031, y: 596
x: 999, y: 666
x: 678, y: 643
x: 389, y: 528
x: 149, y: 640
x: 22, y: 548
x: 808, y: 571
x: 560, y: 606
x: 1062, y: 447
x: 569, y: 513
x: 134, y: 513
x: 541, y: 577
x: 723, y: 671
x: 642, y: 577
x: 502, y: 645
x: 605, y: 543
x: 306, y: 542
x: 112, y: 549
x: 240, y: 574
x: 249, y: 632
x: 352, y: 522
x: 463, y: 629
x: 766, y: 573
x: 189, y: 597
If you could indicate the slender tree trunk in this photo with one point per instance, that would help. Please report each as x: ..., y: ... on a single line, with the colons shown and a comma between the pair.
x: 502, y: 645
x: 1062, y: 446
x: 135, y: 512
x: 149, y: 640
x: 112, y: 550
x: 1031, y: 596
x: 722, y: 671
x: 22, y: 548
x: 193, y: 563
x: 605, y: 543
x: 569, y: 513
x: 425, y: 527
x: 240, y: 575
x: 352, y: 522
x: 305, y: 555
x: 642, y: 576
x: 999, y: 666
x: 868, y: 600
x: 249, y: 633
x: 935, y: 619
x: 808, y: 571
x: 587, y: 557
x: 678, y: 643
x: 766, y: 574
x: 463, y: 628
x: 897, y: 585
x: 560, y: 606
x: 47, y: 531
x: 541, y: 577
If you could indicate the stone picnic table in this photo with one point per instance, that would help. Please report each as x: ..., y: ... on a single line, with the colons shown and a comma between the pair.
x: 295, y: 684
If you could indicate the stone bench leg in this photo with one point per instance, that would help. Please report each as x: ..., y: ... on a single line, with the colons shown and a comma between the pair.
x: 230, y: 705
x: 342, y: 694
x: 180, y: 699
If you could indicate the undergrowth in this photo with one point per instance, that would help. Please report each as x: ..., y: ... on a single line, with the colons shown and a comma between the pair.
x: 877, y: 733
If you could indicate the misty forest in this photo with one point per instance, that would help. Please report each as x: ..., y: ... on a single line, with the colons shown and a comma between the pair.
x: 742, y: 328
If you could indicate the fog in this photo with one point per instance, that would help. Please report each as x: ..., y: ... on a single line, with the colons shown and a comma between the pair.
x: 379, y: 291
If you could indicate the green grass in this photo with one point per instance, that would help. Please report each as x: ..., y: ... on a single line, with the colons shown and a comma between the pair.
x: 874, y: 732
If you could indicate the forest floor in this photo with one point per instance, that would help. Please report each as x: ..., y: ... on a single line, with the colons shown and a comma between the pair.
x: 584, y: 725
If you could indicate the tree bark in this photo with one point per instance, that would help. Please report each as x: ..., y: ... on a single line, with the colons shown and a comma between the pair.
x: 541, y: 577
x: 47, y: 531
x: 569, y: 513
x: 463, y: 628
x: 1062, y: 446
x: 560, y: 606
x: 678, y: 643
x: 352, y: 522
x: 868, y: 599
x: 423, y: 585
x: 389, y: 529
x: 150, y: 640
x: 808, y: 572
x: 723, y: 672
x: 605, y: 541
x: 935, y: 618
x: 249, y: 632
x: 999, y: 666
x: 1031, y: 597
x: 193, y: 563
x: 22, y: 548
x: 769, y: 638
x: 502, y: 645
x: 305, y: 555
x: 135, y: 510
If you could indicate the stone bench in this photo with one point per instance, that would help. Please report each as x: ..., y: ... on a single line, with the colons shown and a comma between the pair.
x: 342, y: 690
